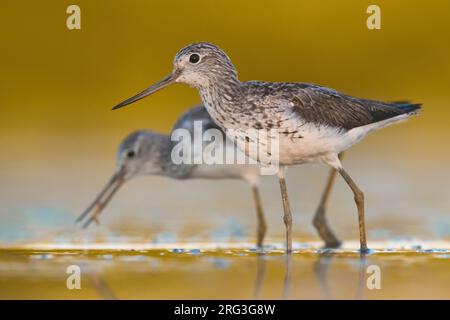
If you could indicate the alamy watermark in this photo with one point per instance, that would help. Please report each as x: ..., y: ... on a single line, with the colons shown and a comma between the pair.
x: 235, y: 147
x: 73, y: 21
x: 373, y: 21
x: 74, y: 279
x: 374, y: 278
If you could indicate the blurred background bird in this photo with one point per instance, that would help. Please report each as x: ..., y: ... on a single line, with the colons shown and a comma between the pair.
x: 145, y: 152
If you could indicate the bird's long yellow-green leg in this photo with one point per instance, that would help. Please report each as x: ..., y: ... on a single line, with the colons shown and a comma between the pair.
x: 359, y: 200
x: 287, y: 217
x: 320, y: 221
x: 262, y: 226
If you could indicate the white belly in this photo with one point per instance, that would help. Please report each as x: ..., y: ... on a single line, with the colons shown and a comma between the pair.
x: 310, y: 143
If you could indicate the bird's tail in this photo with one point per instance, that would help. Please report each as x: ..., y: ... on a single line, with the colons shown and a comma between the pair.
x: 405, y: 110
x: 408, y: 108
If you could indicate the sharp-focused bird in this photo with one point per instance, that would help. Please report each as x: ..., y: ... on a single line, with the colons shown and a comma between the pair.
x: 314, y: 123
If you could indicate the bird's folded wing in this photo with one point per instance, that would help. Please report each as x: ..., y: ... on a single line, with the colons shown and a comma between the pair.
x: 328, y: 107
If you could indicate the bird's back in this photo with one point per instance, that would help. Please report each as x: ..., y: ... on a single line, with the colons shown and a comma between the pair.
x: 197, y: 113
x: 320, y: 105
x: 313, y: 121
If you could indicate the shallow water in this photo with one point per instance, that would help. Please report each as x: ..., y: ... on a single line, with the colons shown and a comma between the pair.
x: 196, y: 271
x: 165, y: 239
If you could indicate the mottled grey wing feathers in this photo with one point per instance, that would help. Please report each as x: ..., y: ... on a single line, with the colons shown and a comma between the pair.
x: 326, y: 106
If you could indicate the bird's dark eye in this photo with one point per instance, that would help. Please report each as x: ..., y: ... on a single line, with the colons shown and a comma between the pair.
x: 194, y: 58
x: 131, y: 154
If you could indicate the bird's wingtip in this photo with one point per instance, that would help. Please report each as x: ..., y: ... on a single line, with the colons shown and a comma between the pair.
x: 409, y: 107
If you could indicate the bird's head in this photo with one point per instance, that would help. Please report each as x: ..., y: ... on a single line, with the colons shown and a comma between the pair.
x: 198, y: 65
x: 138, y: 154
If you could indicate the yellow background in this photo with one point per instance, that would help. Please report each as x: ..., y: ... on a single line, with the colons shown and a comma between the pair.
x: 55, y: 80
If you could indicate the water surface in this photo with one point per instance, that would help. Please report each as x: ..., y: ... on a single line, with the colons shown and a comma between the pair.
x: 195, y: 271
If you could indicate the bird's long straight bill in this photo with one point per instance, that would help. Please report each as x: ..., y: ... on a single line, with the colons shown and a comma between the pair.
x: 152, y: 89
x: 102, y: 199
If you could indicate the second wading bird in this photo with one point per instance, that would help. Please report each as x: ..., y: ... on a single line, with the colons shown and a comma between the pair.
x: 144, y: 152
x: 314, y: 123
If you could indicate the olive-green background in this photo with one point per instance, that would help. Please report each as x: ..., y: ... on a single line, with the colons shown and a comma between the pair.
x: 56, y: 80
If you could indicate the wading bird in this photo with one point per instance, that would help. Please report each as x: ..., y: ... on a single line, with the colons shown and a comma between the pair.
x: 148, y: 153
x: 315, y: 123
x: 144, y: 152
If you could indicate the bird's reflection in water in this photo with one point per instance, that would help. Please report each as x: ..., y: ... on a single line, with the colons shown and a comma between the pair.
x: 98, y: 282
x: 321, y: 271
x: 103, y: 289
x: 361, y: 277
x: 287, y: 277
x: 260, y: 273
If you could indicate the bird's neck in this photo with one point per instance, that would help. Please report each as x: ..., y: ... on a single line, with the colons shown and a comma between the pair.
x: 222, y: 97
x: 168, y: 167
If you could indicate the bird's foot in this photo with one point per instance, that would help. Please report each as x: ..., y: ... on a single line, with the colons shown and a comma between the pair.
x: 365, y: 250
x: 335, y: 244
